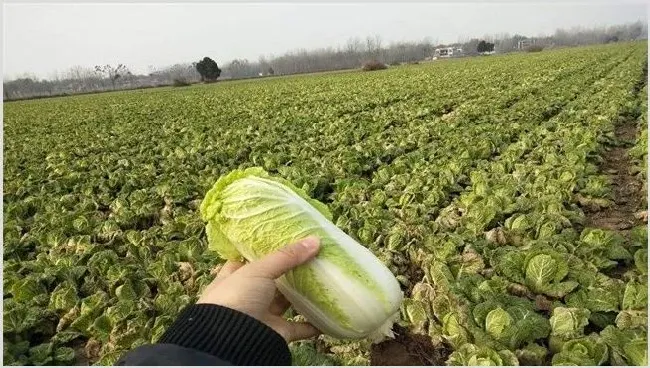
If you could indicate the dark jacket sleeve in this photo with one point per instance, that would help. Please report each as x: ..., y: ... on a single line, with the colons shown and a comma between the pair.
x: 208, y: 334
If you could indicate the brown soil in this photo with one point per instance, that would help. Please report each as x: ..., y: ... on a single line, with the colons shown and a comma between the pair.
x: 626, y: 189
x: 414, y: 274
x: 408, y: 349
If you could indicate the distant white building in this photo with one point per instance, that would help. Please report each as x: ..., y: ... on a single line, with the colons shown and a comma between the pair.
x: 445, y: 52
x: 523, y: 44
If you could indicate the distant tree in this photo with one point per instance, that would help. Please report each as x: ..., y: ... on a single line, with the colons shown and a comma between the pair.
x: 208, y: 69
x: 264, y: 64
x: 79, y: 72
x: 481, y: 46
x: 241, y: 68
x: 178, y: 75
x: 373, y: 47
x: 484, y: 46
x: 470, y: 47
x: 48, y: 86
x: 271, y: 71
x: 112, y: 73
x: 238, y: 68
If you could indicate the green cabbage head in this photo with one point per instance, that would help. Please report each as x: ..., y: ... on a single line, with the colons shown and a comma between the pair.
x: 474, y: 355
x: 345, y: 292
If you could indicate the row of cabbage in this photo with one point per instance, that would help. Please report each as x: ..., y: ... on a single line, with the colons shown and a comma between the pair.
x: 639, y: 153
x: 414, y: 189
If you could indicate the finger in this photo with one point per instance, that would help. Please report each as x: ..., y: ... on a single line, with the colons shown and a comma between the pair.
x: 279, y: 262
x: 279, y: 305
x: 300, y: 331
x: 223, y: 271
x: 220, y: 267
x: 228, y: 268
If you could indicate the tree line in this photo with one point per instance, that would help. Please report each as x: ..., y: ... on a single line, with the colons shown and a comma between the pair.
x: 351, y: 55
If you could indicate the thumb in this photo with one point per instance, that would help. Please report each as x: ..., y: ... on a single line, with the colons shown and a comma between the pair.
x: 279, y: 262
x: 295, y: 331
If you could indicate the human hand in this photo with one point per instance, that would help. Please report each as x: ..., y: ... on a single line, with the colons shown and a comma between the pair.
x: 250, y: 288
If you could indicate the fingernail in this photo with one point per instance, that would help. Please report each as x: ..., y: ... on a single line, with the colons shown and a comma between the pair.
x: 311, y: 243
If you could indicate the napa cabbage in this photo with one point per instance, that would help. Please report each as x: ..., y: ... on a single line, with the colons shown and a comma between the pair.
x: 345, y: 292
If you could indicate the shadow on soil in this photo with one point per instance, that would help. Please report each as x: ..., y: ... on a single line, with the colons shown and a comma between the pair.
x: 409, y: 349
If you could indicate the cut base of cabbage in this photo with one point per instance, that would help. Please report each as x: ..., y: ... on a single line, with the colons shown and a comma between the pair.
x: 385, y: 331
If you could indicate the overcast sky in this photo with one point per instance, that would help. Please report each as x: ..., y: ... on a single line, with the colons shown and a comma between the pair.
x: 43, y: 38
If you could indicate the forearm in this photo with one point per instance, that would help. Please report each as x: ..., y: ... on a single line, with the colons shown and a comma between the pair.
x: 208, y: 334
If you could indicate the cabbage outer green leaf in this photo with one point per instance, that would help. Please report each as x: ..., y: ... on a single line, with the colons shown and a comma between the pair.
x: 497, y: 322
x: 635, y: 296
x: 627, y: 346
x: 473, y: 355
x: 589, y: 350
x: 569, y: 322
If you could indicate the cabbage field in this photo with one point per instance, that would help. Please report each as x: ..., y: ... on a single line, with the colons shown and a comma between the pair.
x: 506, y: 194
